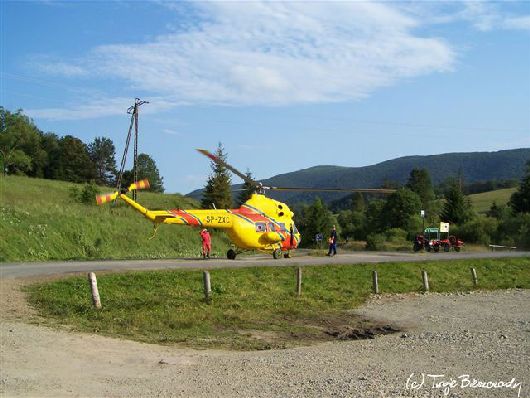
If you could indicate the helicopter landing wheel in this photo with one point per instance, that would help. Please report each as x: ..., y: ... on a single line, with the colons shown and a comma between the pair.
x: 231, y: 254
x: 287, y: 255
x: 277, y: 254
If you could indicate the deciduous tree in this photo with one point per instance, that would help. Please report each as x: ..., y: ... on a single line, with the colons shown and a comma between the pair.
x: 400, y: 209
x: 74, y: 163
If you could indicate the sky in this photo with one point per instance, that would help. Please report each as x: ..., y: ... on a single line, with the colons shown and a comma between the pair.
x: 282, y: 85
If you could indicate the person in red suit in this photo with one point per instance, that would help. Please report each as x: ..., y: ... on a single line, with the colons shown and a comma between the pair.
x: 206, y: 243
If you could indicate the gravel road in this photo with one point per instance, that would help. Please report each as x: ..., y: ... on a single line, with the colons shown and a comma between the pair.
x: 484, y: 335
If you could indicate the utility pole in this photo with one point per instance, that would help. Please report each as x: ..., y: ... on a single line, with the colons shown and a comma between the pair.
x: 133, y: 111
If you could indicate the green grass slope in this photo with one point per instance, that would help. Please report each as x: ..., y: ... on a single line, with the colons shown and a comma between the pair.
x: 483, y: 201
x: 39, y: 221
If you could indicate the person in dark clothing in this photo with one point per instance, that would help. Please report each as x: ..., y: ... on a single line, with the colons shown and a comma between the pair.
x: 332, y: 242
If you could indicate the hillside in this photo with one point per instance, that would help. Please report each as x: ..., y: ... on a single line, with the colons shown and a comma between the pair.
x: 39, y: 221
x: 475, y: 166
x: 482, y: 201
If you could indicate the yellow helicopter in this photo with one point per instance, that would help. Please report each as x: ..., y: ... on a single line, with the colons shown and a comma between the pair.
x: 261, y: 223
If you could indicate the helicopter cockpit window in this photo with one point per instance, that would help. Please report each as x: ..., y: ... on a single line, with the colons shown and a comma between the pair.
x: 260, y: 227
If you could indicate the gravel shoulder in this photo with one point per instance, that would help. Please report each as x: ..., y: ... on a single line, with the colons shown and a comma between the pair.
x: 484, y: 335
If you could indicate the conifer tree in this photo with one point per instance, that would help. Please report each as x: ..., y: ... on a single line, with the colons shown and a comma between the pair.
x: 248, y: 189
x: 102, y: 153
x: 420, y: 182
x: 217, y: 191
x: 457, y: 208
x: 520, y: 200
x: 317, y: 219
x: 146, y: 168
x: 358, y: 203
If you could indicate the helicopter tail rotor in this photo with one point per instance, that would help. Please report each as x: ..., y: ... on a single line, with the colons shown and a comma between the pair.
x: 142, y: 184
x: 109, y: 197
x: 105, y: 198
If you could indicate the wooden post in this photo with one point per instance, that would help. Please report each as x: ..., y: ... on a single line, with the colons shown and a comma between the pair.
x: 375, y: 282
x: 207, y: 286
x: 425, y: 278
x: 299, y: 281
x: 474, y: 276
x: 94, y: 288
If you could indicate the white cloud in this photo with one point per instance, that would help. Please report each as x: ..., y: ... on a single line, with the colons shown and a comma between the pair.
x: 62, y: 69
x: 522, y: 23
x: 487, y: 16
x: 273, y: 53
x: 100, y: 108
x: 482, y: 15
x: 171, y: 132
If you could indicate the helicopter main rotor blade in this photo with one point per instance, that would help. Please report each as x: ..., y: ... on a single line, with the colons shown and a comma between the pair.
x: 217, y: 160
x: 361, y: 190
x: 260, y: 186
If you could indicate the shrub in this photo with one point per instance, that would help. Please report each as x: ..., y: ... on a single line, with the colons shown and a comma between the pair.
x: 375, y: 241
x: 514, y: 231
x: 86, y: 195
x: 396, y: 235
x: 480, y: 230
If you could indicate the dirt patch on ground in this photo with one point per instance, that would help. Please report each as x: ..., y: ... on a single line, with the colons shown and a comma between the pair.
x: 345, y: 326
x: 350, y: 333
x: 14, y: 304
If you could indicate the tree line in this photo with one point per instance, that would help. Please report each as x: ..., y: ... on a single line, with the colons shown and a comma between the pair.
x: 397, y: 217
x: 26, y: 150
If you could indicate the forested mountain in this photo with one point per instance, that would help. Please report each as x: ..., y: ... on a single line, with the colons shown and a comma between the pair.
x: 471, y: 166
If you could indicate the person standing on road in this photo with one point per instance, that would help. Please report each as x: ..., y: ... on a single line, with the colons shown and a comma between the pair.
x: 206, y: 243
x: 332, y: 240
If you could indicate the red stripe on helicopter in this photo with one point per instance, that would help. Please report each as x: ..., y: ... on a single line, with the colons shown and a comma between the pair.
x: 186, y: 217
x: 195, y: 218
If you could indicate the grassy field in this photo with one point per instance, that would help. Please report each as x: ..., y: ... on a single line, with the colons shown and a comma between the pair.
x: 39, y: 221
x: 482, y: 201
x: 252, y: 308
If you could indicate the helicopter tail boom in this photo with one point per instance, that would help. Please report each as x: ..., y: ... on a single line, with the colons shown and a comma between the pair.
x: 221, y: 219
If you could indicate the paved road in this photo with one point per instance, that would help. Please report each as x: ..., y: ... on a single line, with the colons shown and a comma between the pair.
x: 22, y: 270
